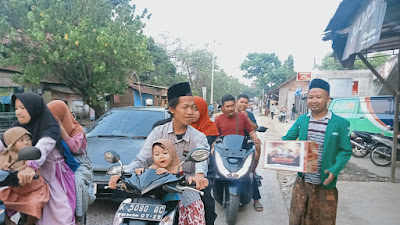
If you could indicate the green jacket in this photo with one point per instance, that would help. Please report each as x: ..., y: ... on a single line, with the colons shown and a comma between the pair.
x: 337, y: 147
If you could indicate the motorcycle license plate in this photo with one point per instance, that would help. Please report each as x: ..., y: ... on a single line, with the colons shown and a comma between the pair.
x: 138, y: 211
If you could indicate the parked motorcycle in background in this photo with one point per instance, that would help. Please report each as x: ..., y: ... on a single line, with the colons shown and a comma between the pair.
x: 382, y: 153
x: 147, y: 202
x: 362, y: 143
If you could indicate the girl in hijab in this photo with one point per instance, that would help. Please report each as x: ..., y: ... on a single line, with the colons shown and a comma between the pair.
x: 74, y: 137
x: 202, y: 123
x: 28, y: 199
x: 166, y: 160
x: 33, y: 114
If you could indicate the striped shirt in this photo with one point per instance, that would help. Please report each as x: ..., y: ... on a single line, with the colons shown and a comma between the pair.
x: 316, y: 132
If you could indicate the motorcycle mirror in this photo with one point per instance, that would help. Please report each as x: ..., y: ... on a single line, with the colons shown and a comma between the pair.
x: 261, y: 129
x: 111, y: 156
x: 198, y: 154
x: 29, y: 153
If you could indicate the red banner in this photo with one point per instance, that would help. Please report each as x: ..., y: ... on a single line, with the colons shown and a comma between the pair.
x: 303, y: 76
x: 355, y: 88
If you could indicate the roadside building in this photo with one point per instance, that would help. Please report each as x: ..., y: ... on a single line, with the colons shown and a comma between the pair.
x: 137, y: 93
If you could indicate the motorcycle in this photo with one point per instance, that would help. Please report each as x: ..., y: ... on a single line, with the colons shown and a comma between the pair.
x: 382, y: 153
x: 147, y: 202
x: 282, y: 117
x: 233, y: 186
x: 10, y: 177
x: 362, y: 143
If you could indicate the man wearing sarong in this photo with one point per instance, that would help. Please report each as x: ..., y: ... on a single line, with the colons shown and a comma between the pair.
x: 314, y: 196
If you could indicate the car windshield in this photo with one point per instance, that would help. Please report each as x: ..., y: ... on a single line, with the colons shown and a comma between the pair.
x: 126, y: 123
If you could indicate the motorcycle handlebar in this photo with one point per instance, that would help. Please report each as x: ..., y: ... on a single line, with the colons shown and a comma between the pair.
x: 186, y: 188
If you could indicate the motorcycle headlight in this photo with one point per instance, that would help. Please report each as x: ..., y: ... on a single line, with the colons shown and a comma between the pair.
x: 116, y: 170
x: 220, y: 165
x: 246, y: 167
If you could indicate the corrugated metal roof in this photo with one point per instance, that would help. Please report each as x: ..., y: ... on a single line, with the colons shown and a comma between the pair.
x: 6, y: 81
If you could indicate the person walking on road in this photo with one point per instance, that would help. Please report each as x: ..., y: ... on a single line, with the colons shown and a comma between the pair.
x: 272, y: 111
x: 294, y: 111
x: 314, y: 195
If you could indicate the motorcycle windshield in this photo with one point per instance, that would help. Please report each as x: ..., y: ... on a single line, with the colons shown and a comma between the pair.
x: 233, y: 142
x: 149, y: 180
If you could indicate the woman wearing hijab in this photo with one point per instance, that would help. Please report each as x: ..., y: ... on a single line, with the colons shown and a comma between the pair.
x: 33, y: 114
x: 74, y: 137
x: 202, y: 123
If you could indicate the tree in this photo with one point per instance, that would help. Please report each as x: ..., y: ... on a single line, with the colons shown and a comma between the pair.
x: 225, y: 84
x: 164, y: 72
x: 267, y: 69
x: 330, y: 63
x: 92, y: 46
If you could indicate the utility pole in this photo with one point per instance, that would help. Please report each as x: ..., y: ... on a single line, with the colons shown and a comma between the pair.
x: 212, y: 75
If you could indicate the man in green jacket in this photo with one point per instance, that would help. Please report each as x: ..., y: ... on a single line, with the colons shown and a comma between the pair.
x: 314, y: 196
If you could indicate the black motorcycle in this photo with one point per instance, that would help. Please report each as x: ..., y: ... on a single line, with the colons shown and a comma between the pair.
x: 10, y: 177
x: 362, y: 143
x: 382, y: 153
x: 234, y: 157
x: 147, y: 201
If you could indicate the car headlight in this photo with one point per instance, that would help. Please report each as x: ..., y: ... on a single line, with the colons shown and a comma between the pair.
x: 246, y: 166
x: 220, y: 165
x: 116, y: 170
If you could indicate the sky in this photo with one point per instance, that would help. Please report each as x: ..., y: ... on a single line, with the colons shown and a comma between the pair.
x: 241, y: 27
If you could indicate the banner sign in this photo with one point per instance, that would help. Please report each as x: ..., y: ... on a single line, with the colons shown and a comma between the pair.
x: 303, y: 76
x: 366, y: 29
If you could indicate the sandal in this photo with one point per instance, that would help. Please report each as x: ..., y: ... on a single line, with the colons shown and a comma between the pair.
x: 258, y: 207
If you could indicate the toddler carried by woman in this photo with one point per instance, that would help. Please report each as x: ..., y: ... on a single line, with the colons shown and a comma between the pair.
x: 30, y: 198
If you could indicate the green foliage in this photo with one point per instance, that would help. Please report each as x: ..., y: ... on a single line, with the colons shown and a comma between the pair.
x: 92, y: 46
x: 225, y: 84
x: 164, y: 71
x: 267, y: 69
x: 330, y: 63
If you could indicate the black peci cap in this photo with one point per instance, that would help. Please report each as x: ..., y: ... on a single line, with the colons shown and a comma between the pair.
x: 319, y: 83
x: 178, y: 90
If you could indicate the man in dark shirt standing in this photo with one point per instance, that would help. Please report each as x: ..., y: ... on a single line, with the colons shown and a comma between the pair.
x: 232, y: 122
x: 242, y: 101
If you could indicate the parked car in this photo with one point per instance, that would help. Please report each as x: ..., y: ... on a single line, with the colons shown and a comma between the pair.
x: 124, y: 131
x: 371, y: 114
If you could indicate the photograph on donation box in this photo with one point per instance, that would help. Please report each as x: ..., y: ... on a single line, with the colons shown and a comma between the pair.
x: 300, y: 156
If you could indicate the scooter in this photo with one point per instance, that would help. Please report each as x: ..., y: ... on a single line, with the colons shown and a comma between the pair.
x: 282, y: 117
x: 233, y: 187
x: 362, y: 143
x: 382, y: 153
x: 147, y: 202
x: 10, y: 177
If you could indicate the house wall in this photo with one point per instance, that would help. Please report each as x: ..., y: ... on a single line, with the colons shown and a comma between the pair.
x: 365, y: 78
x: 142, y: 101
x: 287, y: 93
x: 124, y: 100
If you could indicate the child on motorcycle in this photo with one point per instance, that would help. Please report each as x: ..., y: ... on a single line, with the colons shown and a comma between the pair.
x: 30, y: 198
x: 166, y: 160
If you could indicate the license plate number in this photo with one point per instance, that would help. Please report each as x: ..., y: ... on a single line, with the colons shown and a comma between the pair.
x: 141, y: 211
